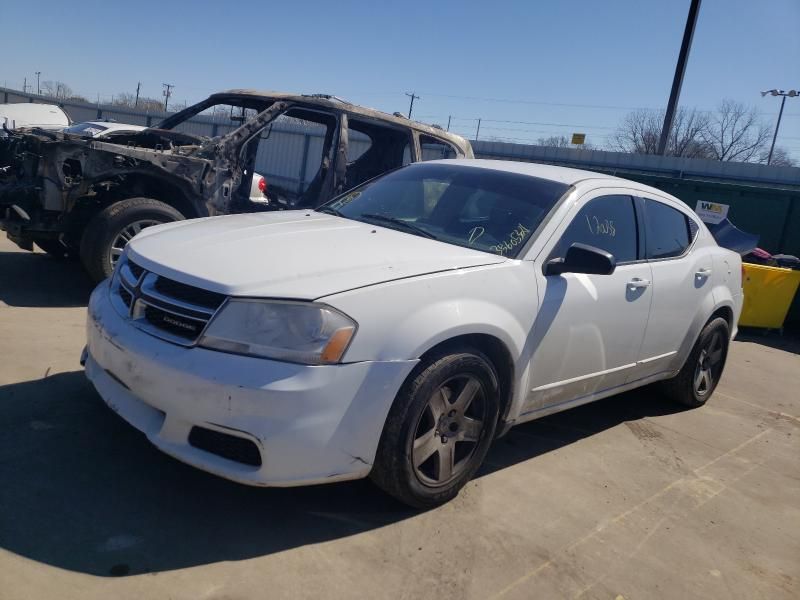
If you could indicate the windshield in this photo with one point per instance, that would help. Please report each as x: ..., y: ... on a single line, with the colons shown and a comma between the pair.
x: 483, y: 209
x: 87, y: 129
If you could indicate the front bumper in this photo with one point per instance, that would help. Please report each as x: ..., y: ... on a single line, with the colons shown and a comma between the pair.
x: 311, y: 424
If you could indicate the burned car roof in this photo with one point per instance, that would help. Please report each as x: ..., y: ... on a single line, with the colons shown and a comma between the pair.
x: 330, y: 102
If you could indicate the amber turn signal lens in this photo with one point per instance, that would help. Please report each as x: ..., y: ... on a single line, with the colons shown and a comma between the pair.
x: 336, y: 346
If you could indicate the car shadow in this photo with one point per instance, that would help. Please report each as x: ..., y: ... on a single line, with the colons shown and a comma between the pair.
x: 82, y: 490
x: 786, y: 341
x: 38, y: 280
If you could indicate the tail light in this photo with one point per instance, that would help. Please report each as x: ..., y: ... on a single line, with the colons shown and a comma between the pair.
x: 262, y: 185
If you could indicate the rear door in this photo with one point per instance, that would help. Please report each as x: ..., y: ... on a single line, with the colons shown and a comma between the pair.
x: 589, y: 328
x: 681, y: 281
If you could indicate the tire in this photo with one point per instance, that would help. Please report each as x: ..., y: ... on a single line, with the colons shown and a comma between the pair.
x: 110, y: 229
x: 698, y: 378
x: 434, y: 417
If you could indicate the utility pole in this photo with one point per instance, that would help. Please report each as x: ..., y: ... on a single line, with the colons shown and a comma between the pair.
x: 25, y: 86
x: 478, y: 133
x: 38, y: 89
x: 784, y: 94
x: 136, y: 102
x: 677, y: 81
x: 167, y: 93
x: 413, y: 97
x: 775, y: 135
x: 448, y: 121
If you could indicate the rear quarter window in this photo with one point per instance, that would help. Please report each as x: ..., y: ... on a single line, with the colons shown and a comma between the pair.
x: 668, y: 231
x: 433, y: 149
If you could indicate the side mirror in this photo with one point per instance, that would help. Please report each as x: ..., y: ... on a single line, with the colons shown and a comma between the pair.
x: 582, y: 258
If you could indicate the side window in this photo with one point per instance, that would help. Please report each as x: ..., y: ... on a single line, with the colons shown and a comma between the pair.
x: 606, y: 222
x: 667, y: 230
x: 373, y: 149
x: 433, y: 149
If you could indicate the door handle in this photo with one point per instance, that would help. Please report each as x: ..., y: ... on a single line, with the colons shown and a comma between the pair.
x: 638, y: 282
x: 703, y: 272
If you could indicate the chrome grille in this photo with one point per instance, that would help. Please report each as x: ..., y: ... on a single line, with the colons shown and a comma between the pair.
x: 163, y: 307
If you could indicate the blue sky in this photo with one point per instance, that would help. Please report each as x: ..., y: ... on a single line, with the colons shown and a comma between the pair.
x: 561, y: 66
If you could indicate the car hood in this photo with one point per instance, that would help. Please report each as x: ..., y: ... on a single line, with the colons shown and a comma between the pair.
x: 292, y: 254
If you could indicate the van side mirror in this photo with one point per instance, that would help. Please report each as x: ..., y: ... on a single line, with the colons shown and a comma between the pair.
x: 582, y: 258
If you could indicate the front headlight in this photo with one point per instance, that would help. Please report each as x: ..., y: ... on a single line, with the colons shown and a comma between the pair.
x: 301, y: 332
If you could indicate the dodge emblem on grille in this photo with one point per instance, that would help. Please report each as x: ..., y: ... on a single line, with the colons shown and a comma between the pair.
x: 177, y: 323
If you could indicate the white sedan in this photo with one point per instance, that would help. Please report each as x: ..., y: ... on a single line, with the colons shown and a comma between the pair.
x: 400, y: 328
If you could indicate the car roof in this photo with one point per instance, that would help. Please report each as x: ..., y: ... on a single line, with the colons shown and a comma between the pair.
x: 564, y: 175
x: 336, y: 103
x: 27, y: 114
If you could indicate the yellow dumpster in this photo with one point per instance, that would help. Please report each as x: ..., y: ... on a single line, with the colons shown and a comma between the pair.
x: 768, y: 293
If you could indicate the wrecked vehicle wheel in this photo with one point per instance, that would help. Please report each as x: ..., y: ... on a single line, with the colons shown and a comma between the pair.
x: 113, y: 227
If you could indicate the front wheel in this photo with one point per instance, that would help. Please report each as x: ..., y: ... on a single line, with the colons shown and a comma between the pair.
x: 439, y: 429
x: 697, y: 380
x: 113, y: 227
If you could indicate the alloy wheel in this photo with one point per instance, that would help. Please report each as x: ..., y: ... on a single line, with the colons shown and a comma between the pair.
x: 709, y: 364
x: 448, y: 430
x: 125, y: 236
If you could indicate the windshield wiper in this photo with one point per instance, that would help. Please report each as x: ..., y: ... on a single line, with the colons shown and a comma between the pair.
x: 404, y: 224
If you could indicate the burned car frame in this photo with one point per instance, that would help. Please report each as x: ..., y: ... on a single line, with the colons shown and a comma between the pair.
x: 72, y: 195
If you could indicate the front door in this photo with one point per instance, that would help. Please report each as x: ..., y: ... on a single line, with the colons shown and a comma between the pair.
x: 589, y: 329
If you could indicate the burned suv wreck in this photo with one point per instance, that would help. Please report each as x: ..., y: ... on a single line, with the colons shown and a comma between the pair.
x: 73, y: 195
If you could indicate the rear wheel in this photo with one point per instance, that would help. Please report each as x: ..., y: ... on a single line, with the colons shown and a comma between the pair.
x: 697, y: 380
x: 438, y: 430
x: 112, y: 228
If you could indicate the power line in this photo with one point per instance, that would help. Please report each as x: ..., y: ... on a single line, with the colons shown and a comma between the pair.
x: 571, y: 105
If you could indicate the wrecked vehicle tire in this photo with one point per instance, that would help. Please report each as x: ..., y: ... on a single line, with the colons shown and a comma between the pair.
x: 113, y: 227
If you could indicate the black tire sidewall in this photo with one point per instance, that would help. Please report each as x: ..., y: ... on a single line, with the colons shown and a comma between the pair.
x: 681, y: 388
x: 107, y: 224
x: 718, y: 324
x: 395, y: 456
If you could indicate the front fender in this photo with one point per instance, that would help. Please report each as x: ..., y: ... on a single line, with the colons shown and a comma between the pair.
x: 403, y: 319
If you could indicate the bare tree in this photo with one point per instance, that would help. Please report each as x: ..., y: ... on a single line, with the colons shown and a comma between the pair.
x: 735, y: 133
x: 56, y: 89
x: 562, y: 141
x: 554, y: 141
x: 146, y: 104
x: 640, y: 130
x: 780, y: 157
